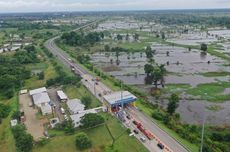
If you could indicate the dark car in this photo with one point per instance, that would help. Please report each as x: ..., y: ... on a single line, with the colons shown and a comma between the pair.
x: 128, y: 117
x: 135, y: 131
x: 160, y: 145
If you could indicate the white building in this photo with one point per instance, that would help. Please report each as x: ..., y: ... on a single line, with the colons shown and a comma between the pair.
x: 13, y: 122
x: 75, y: 106
x: 39, y: 90
x: 76, y: 118
x: 41, y: 100
x: 62, y: 96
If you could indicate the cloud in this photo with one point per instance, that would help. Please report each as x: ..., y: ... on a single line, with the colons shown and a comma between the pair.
x: 97, y: 5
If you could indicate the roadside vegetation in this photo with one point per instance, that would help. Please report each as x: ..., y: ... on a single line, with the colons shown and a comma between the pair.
x: 101, y: 136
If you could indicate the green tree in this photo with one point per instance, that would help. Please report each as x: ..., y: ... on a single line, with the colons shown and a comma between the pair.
x: 41, y: 75
x: 4, y: 110
x: 119, y: 37
x: 148, y: 69
x: 148, y: 52
x: 107, y: 48
x: 91, y: 120
x: 86, y: 100
x: 83, y: 141
x: 136, y: 36
x: 173, y: 104
x: 204, y: 47
x: 24, y: 143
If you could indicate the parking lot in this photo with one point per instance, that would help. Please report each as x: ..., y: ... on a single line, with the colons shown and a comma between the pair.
x: 33, y: 124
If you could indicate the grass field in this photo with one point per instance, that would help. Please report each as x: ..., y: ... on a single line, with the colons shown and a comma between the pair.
x: 79, y: 92
x: 7, y: 143
x: 211, y: 91
x: 101, y: 139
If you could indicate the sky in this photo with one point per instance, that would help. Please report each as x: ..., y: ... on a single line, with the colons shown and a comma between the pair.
x: 106, y: 5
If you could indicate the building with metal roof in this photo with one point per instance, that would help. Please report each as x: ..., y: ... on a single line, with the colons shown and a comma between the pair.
x: 39, y: 90
x: 46, y: 109
x: 41, y: 98
x: 120, y: 98
x: 75, y: 106
x: 76, y: 118
x: 62, y: 96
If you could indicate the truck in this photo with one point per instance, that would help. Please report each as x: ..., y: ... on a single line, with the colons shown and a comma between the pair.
x: 144, y: 131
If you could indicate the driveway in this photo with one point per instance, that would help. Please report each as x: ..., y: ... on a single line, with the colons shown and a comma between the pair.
x: 33, y: 124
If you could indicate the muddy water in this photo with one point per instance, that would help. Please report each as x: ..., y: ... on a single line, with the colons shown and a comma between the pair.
x: 194, y: 111
x: 184, y: 64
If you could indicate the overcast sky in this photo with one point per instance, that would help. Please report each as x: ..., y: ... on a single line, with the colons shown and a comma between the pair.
x: 104, y: 5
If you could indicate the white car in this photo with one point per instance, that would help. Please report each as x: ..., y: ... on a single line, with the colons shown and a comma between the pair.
x: 143, y: 139
x: 62, y: 110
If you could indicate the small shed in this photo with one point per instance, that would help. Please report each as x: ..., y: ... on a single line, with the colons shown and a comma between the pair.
x: 13, y: 122
x: 23, y: 91
x: 46, y: 109
x: 62, y: 96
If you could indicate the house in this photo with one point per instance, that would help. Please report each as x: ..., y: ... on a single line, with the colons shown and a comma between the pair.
x: 76, y: 118
x: 62, y: 96
x: 75, y: 106
x: 41, y: 99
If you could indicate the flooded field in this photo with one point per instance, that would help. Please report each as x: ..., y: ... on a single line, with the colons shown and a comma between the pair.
x: 194, y: 38
x: 183, y: 66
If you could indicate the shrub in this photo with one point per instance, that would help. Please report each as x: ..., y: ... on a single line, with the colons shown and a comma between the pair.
x: 83, y: 141
x: 91, y: 120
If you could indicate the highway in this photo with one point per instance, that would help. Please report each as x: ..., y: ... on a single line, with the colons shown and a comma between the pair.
x: 100, y: 89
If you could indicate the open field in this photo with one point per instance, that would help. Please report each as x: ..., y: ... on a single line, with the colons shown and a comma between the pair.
x: 100, y: 137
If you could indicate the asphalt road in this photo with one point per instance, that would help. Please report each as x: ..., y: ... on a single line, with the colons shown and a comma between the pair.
x: 100, y: 89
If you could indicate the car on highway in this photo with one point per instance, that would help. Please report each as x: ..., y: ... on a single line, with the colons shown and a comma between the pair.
x: 143, y: 139
x: 160, y: 145
x: 128, y: 117
x: 136, y: 131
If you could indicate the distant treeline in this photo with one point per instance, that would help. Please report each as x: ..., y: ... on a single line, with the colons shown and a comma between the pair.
x: 78, y: 39
x: 211, y: 19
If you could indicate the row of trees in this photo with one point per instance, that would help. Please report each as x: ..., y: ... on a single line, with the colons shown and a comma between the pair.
x: 79, y: 39
x: 24, y: 141
x: 120, y: 37
x: 63, y: 78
